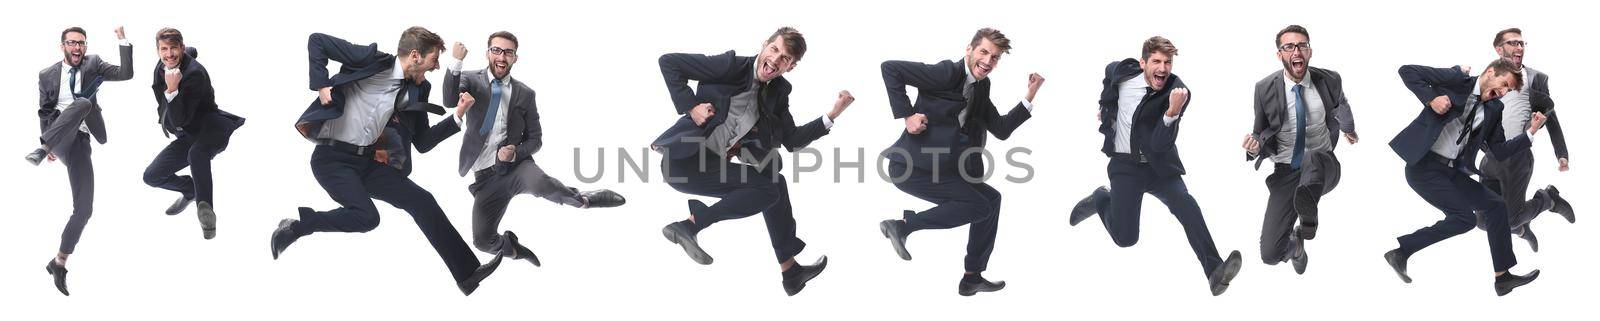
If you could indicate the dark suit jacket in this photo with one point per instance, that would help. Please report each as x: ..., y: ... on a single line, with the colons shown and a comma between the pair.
x: 356, y: 63
x: 196, y: 99
x: 720, y: 78
x: 91, y: 69
x: 1539, y: 96
x: 1150, y: 137
x: 1272, y: 110
x: 522, y: 120
x: 939, y: 98
x: 1415, y: 142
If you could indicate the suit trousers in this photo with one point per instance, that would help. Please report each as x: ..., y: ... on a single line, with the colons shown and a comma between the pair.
x: 1318, y: 175
x: 956, y: 202
x: 80, y: 175
x: 1458, y: 196
x: 192, y: 150
x: 743, y: 191
x: 1120, y: 209
x: 1510, y: 178
x: 491, y: 193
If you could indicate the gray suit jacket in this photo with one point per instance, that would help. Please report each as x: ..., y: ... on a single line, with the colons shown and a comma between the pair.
x: 1271, y: 110
x: 91, y: 68
x: 522, y: 120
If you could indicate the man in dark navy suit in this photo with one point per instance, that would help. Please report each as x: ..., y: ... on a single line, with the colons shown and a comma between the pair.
x: 365, y: 120
x: 939, y: 157
x: 186, y: 107
x: 1461, y: 115
x: 1141, y: 105
x: 739, y: 110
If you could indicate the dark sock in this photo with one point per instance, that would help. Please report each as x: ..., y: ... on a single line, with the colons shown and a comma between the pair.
x: 693, y: 228
x: 1503, y: 277
x: 972, y: 278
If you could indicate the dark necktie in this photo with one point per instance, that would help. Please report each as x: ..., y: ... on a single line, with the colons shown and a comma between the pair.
x: 1299, y: 126
x: 494, y: 108
x: 1466, y: 123
x: 72, y: 82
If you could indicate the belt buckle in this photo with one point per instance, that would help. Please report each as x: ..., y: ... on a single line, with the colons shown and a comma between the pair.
x: 362, y: 150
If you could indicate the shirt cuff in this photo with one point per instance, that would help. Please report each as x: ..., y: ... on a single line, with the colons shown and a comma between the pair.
x: 123, y: 42
x: 455, y: 67
x: 827, y: 123
x: 1530, y: 135
x: 1027, y: 104
x: 1168, y: 120
x: 171, y: 95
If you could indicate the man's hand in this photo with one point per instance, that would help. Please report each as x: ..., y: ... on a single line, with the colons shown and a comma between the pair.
x: 325, y: 95
x: 507, y: 152
x: 1440, y: 105
x: 120, y: 36
x: 1351, y: 136
x: 1251, y: 145
x: 459, y: 51
x: 844, y: 101
x: 173, y: 76
x: 1537, y: 122
x: 52, y: 157
x: 916, y: 123
x: 1176, y: 99
x: 1563, y: 162
x: 1034, y: 81
x: 700, y: 113
x: 464, y: 103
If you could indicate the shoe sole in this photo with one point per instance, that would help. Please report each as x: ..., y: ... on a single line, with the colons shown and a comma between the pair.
x: 208, y: 224
x: 997, y: 288
x: 1402, y: 274
x: 899, y: 247
x: 689, y: 247
x: 1230, y: 269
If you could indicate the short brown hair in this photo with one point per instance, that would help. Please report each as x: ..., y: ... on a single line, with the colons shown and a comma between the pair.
x: 1278, y: 41
x: 1504, y: 65
x: 421, y: 40
x: 506, y: 35
x: 999, y: 39
x: 792, y: 39
x: 72, y: 30
x: 169, y: 34
x: 1500, y: 37
x: 1157, y: 43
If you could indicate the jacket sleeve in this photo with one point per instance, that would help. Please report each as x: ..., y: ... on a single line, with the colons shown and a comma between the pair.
x: 1259, y: 130
x: 677, y: 69
x: 533, y: 133
x: 1539, y: 96
x: 795, y: 138
x: 124, y: 70
x: 1426, y: 82
x: 1165, y: 136
x: 1001, y: 126
x: 322, y: 47
x: 899, y: 74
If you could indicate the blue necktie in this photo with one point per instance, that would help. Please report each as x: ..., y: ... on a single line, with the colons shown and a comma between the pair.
x: 1299, y: 127
x: 494, y: 108
x: 72, y: 82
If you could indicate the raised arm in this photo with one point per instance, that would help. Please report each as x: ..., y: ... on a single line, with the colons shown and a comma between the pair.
x: 899, y: 74
x: 677, y: 69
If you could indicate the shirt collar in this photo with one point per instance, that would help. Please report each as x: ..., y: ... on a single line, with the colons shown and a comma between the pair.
x: 1289, y: 83
x: 398, y: 72
x: 968, y: 69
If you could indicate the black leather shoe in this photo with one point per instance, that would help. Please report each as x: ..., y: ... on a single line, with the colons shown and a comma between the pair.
x: 1527, y: 235
x: 510, y: 248
x: 1085, y: 207
x: 1507, y: 282
x: 1301, y: 258
x: 971, y: 284
x: 1560, y: 205
x: 680, y: 233
x: 1305, y: 204
x: 602, y: 199
x: 283, y: 236
x: 1397, y: 261
x: 1222, y: 275
x: 482, y: 272
x: 795, y: 278
x: 208, y: 220
x: 36, y: 157
x: 895, y: 231
x: 59, y: 273
x: 178, y: 206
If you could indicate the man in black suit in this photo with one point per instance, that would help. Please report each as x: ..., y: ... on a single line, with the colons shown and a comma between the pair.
x: 740, y: 109
x: 939, y: 158
x: 503, y: 134
x: 186, y: 107
x: 1299, y: 112
x: 1461, y: 114
x: 1141, y: 106
x: 69, y: 113
x: 364, y: 122
x: 1510, y: 177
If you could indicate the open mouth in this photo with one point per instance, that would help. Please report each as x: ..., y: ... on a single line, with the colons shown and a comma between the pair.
x: 984, y: 69
x: 1298, y: 65
x: 768, y: 70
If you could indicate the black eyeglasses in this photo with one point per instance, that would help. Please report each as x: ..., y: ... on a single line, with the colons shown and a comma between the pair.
x: 75, y: 43
x: 1291, y: 47
x: 1516, y: 43
x: 502, y: 52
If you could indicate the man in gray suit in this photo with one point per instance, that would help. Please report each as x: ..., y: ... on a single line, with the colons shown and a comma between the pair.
x: 502, y: 135
x: 68, y: 115
x: 1299, y: 112
x: 1510, y: 177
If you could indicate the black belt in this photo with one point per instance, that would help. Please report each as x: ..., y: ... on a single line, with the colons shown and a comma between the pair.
x: 1439, y: 158
x: 480, y: 174
x: 354, y: 149
x: 1138, y: 158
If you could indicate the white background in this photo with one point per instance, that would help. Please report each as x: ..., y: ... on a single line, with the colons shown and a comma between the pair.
x: 594, y: 66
